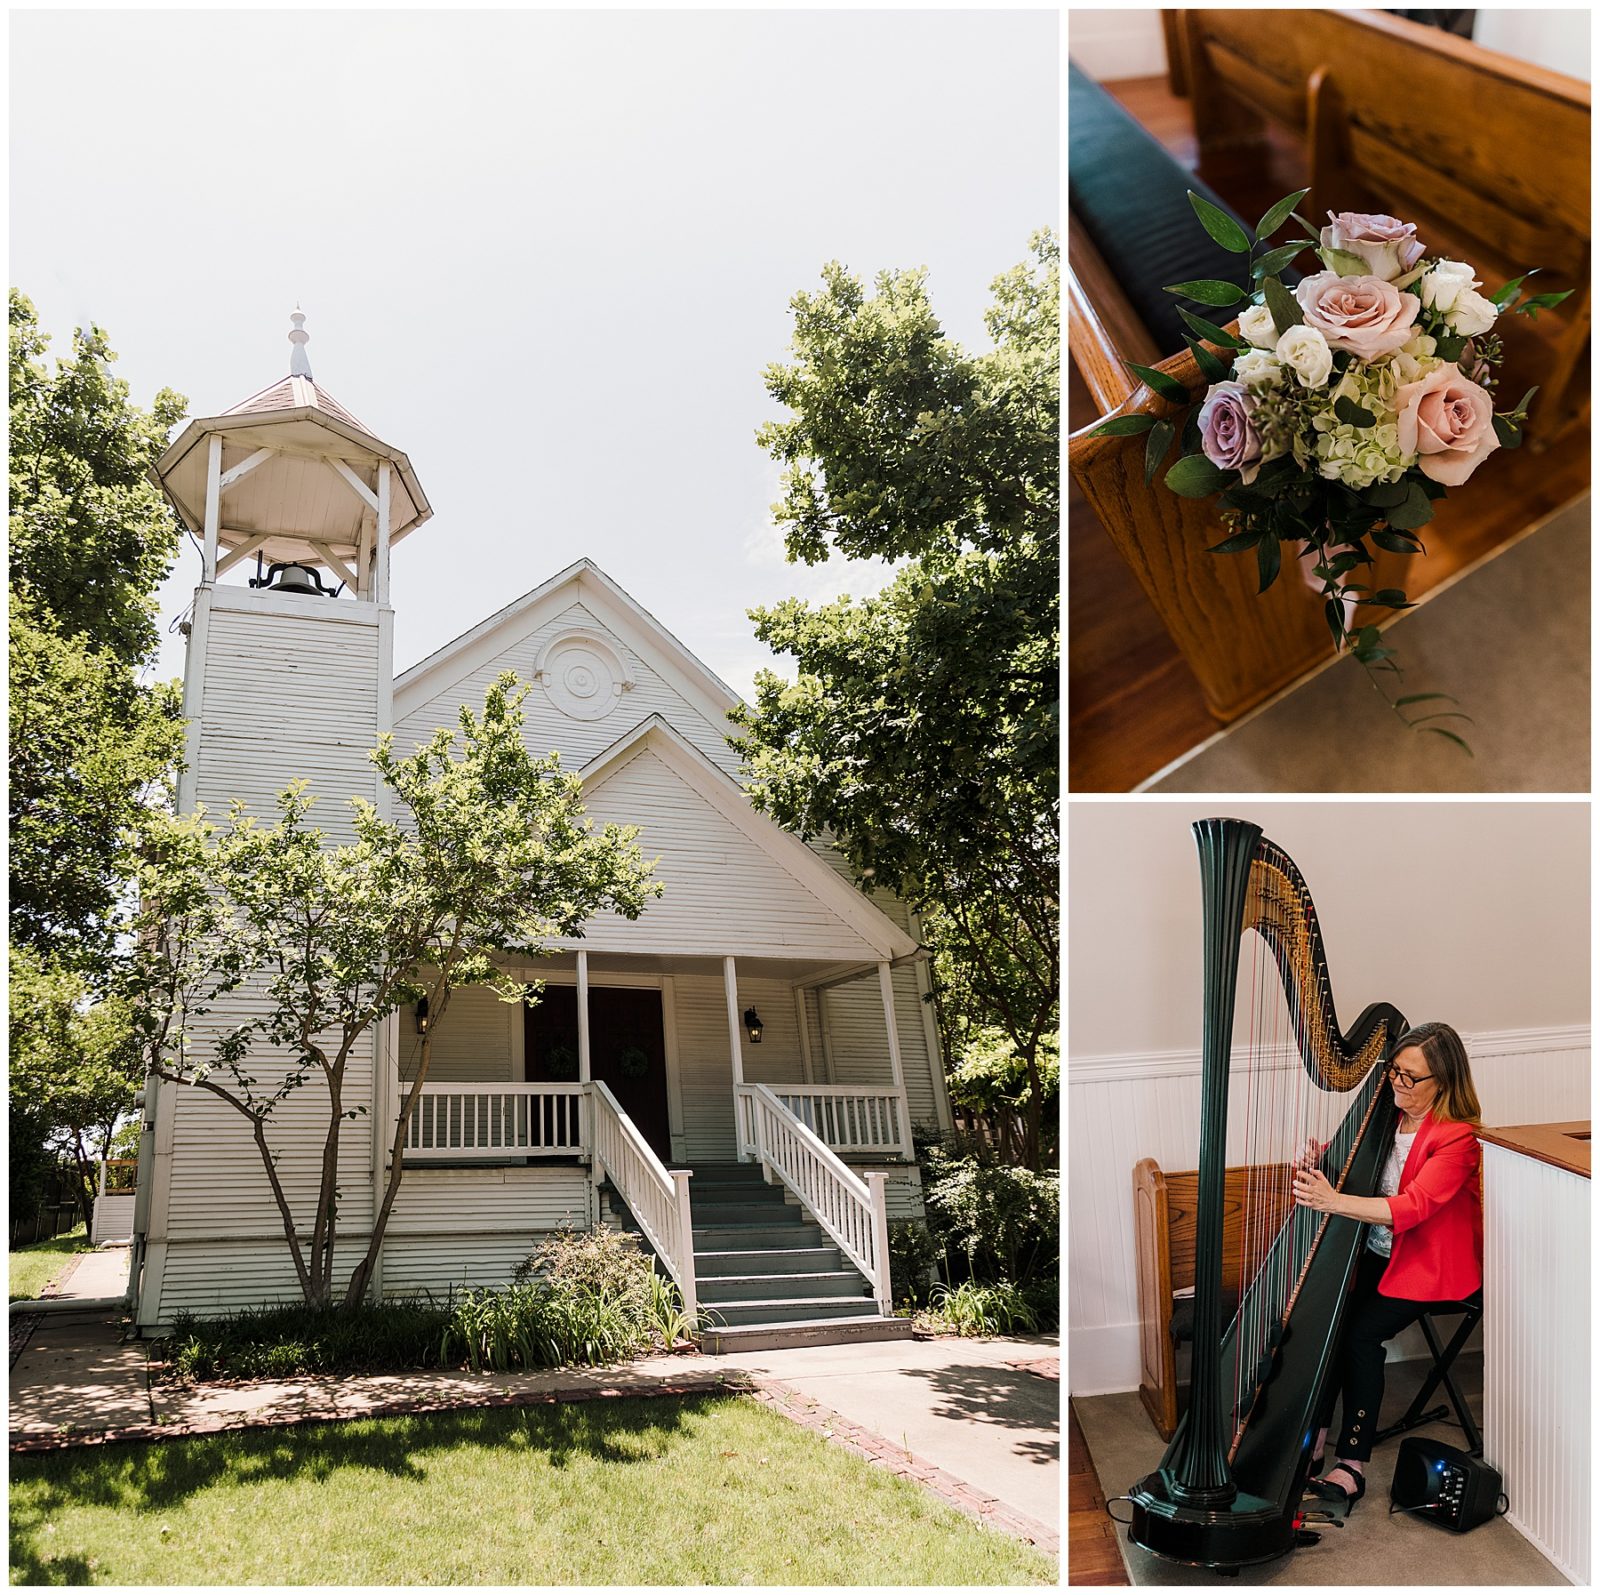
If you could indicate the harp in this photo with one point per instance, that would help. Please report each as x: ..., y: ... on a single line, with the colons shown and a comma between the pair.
x: 1228, y: 1491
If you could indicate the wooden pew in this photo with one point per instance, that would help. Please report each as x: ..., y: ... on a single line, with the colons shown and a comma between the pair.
x: 1164, y: 1229
x: 1487, y: 154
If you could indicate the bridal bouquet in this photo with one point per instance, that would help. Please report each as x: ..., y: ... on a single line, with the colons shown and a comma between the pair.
x: 1342, y: 409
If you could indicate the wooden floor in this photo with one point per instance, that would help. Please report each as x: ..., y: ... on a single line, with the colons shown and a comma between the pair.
x: 1092, y: 1554
x: 1133, y: 705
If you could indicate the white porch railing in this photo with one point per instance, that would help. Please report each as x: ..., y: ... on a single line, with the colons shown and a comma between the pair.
x: 658, y: 1199
x: 848, y: 1118
x: 850, y: 1208
x: 506, y: 1119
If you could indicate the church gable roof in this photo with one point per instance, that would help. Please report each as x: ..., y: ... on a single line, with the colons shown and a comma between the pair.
x: 599, y: 661
x: 733, y: 877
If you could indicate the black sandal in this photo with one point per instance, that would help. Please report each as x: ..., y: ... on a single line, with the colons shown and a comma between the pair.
x: 1327, y: 1490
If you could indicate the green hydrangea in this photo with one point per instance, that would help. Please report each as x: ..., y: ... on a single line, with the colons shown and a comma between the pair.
x: 1358, y: 456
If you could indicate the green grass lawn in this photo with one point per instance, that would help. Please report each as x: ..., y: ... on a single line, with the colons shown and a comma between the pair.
x: 33, y: 1267
x: 700, y: 1490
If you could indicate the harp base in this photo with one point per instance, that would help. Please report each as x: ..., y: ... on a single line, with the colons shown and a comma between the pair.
x: 1248, y: 1530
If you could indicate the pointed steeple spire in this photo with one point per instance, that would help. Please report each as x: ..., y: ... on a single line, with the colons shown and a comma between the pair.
x: 299, y: 361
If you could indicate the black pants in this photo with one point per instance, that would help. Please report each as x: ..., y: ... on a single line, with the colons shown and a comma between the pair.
x: 1358, y: 1372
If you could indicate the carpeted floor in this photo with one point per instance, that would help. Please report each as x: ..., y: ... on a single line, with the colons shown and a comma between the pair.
x: 1372, y: 1549
x: 1510, y: 641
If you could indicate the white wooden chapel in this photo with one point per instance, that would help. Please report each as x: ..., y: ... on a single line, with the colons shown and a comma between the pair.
x: 737, y: 1073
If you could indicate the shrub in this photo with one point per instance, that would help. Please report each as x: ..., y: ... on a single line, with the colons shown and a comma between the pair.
x: 1003, y: 1221
x: 579, y: 1298
x: 278, y: 1342
x: 973, y: 1309
x: 913, y: 1255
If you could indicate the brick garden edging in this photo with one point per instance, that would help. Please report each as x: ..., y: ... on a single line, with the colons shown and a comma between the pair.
x: 811, y: 1414
x: 720, y: 1383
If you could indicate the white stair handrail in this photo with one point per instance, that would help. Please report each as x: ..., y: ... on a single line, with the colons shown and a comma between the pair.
x: 656, y: 1196
x: 851, y: 1210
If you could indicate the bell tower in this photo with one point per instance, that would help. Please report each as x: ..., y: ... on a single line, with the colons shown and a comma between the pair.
x: 296, y: 506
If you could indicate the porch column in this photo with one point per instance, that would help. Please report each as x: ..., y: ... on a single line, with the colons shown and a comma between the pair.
x: 381, y: 576
x: 887, y: 988
x: 213, y: 521
x: 583, y: 1016
x: 735, y: 1022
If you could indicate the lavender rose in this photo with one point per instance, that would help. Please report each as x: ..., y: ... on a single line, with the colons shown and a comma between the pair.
x: 1449, y: 422
x: 1228, y: 436
x: 1366, y: 316
x: 1389, y: 246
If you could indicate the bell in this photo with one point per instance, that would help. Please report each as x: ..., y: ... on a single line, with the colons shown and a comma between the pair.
x: 296, y: 579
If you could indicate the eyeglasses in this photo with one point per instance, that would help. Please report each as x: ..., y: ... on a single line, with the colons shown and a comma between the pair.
x: 1409, y: 1081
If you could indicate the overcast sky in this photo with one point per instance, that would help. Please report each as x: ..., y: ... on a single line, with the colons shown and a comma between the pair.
x: 547, y: 254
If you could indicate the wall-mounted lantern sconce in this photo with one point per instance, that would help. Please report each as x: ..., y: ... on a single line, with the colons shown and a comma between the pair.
x: 422, y: 1016
x: 752, y: 1023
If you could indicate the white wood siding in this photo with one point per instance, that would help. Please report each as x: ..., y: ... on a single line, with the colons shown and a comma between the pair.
x: 705, y: 1070
x: 723, y: 892
x: 474, y: 1040
x: 1536, y: 1416
x: 1122, y: 1110
x: 858, y: 1039
x: 547, y: 727
x: 286, y: 697
x: 212, y: 1278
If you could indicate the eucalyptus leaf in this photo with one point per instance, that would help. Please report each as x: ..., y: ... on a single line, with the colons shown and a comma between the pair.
x: 1509, y: 433
x: 1160, y: 382
x: 1422, y: 697
x: 1525, y: 401
x: 1333, y: 613
x: 1506, y: 292
x: 1211, y: 368
x: 1195, y: 476
x: 1155, y: 449
x: 1439, y: 731
x: 1212, y: 333
x: 1393, y: 542
x: 1210, y: 291
x: 1385, y: 495
x: 1222, y: 227
x: 1352, y: 413
x: 1448, y: 346
x: 1279, y: 214
x: 1415, y: 512
x: 1123, y: 426
x: 1284, y: 306
x: 1271, y: 263
x: 1268, y: 557
x: 1236, y: 544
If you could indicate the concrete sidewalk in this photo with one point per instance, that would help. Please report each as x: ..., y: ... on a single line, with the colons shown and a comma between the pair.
x: 967, y: 1418
x: 970, y: 1407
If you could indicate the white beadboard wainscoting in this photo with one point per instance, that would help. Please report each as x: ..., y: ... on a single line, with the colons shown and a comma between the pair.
x: 1536, y: 1417
x: 1128, y: 1106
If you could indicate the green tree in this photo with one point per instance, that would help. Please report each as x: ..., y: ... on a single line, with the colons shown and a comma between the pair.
x: 92, y: 537
x: 920, y: 731
x: 75, y: 1066
x: 493, y: 856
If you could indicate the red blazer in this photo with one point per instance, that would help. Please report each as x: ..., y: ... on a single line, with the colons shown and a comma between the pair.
x: 1437, y: 1218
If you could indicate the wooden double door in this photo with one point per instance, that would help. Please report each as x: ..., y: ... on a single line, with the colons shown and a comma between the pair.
x: 627, y: 1049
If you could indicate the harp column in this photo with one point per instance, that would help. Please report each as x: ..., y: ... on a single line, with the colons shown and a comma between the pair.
x: 1198, y: 1470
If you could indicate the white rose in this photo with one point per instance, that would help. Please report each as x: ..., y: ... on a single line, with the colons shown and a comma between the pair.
x: 1256, y: 325
x: 1257, y: 368
x: 1472, y: 314
x: 1305, y: 351
x: 1445, y: 283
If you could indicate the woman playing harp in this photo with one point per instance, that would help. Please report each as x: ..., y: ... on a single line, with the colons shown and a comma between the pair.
x: 1425, y: 1247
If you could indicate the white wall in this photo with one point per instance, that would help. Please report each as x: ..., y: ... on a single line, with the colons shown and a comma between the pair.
x: 1468, y: 912
x: 1474, y: 913
x: 1117, y: 44
x: 1555, y: 39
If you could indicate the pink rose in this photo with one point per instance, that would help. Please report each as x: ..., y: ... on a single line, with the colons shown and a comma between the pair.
x: 1366, y: 316
x: 1228, y: 436
x: 1448, y: 421
x: 1389, y: 246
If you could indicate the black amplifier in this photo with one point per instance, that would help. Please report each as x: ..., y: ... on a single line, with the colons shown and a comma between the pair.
x: 1444, y: 1485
